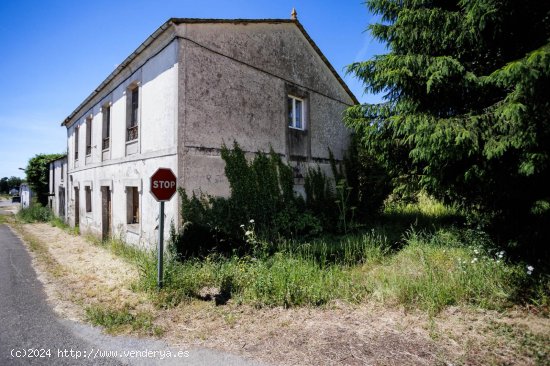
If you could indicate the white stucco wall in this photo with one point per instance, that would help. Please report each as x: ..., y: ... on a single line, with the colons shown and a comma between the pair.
x: 58, y: 179
x: 235, y: 79
x: 156, y: 77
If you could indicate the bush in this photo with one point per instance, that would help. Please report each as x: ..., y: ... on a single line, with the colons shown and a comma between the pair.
x: 441, y: 269
x: 261, y: 193
x: 35, y: 213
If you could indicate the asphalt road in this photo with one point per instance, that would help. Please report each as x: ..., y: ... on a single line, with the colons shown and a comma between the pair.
x: 32, y: 334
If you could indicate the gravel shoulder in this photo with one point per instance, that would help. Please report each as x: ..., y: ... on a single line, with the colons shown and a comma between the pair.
x: 79, y: 274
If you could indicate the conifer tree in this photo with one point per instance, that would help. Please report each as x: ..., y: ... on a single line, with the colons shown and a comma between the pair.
x: 466, y: 112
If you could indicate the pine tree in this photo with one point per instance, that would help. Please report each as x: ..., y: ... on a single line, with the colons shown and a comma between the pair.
x: 466, y: 114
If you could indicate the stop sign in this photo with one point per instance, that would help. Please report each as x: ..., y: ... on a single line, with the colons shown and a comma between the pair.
x: 163, y: 184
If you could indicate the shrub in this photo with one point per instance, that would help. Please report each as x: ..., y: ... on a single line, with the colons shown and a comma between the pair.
x: 35, y: 213
x: 438, y: 270
x: 261, y: 191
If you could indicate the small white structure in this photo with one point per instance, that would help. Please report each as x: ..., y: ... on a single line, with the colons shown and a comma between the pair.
x: 26, y: 195
x: 57, y: 187
x: 192, y: 86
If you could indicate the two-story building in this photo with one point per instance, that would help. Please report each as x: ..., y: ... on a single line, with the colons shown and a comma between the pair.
x: 193, y: 85
x: 58, y: 183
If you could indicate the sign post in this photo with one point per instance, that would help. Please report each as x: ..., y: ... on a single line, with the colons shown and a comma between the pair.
x: 163, y: 187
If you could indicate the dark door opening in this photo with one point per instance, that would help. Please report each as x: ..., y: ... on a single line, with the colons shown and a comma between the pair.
x: 61, y: 203
x: 76, y: 207
x: 106, y: 218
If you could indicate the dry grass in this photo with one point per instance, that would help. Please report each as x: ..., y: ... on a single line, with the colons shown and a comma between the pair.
x: 77, y: 275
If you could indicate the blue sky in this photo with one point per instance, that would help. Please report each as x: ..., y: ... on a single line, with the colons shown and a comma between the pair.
x: 55, y: 52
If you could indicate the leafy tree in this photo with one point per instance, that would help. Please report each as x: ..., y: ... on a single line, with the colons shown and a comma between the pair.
x: 4, y: 187
x: 466, y: 114
x: 8, y: 183
x: 38, y: 175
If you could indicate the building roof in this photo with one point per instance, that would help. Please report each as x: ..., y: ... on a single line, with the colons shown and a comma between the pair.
x: 62, y: 157
x: 176, y: 21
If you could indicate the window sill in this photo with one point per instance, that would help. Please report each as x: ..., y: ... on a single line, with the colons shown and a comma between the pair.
x: 133, y: 228
x: 296, y: 128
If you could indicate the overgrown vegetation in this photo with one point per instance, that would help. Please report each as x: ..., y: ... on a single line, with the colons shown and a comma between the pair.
x: 263, y: 197
x: 37, y: 172
x: 119, y: 320
x: 261, y: 245
x: 35, y: 213
x: 430, y: 272
x: 465, y: 115
x: 261, y: 194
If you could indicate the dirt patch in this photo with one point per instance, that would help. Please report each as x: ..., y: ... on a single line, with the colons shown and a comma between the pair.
x: 337, y: 334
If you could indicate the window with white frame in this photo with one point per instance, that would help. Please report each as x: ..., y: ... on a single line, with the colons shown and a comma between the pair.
x: 296, y: 115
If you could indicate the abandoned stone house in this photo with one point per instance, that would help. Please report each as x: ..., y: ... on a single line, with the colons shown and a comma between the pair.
x: 193, y: 85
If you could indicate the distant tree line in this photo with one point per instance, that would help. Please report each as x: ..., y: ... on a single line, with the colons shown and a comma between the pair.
x: 6, y: 184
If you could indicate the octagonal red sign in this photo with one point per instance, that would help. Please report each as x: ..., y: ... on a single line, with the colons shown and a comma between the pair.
x: 163, y: 184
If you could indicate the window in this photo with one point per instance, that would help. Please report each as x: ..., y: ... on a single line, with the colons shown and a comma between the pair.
x: 132, y: 201
x: 76, y: 129
x: 132, y: 113
x: 53, y: 177
x: 88, y: 191
x: 296, y: 113
x: 88, y: 136
x: 62, y: 168
x: 106, y: 126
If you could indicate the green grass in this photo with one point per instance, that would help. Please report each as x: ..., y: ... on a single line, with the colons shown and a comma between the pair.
x: 438, y: 270
x: 430, y: 272
x: 35, y: 213
x: 119, y: 320
x: 431, y: 269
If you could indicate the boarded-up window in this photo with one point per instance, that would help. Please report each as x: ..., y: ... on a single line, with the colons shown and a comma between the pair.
x: 88, y: 136
x: 88, y: 191
x: 106, y: 111
x: 132, y: 205
x: 76, y: 130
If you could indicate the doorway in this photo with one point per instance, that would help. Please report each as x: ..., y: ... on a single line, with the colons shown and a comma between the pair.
x: 76, y: 207
x: 106, y: 212
x: 61, y: 203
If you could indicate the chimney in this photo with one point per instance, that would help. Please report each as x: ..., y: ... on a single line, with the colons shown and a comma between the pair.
x: 294, y: 14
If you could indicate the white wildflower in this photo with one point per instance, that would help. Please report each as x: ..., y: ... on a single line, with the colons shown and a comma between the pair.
x: 501, y: 254
x: 251, y: 221
x: 530, y: 269
x: 248, y: 233
x: 476, y: 251
x: 242, y: 226
x: 474, y: 260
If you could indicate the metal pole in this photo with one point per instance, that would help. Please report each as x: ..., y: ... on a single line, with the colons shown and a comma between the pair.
x: 161, y: 246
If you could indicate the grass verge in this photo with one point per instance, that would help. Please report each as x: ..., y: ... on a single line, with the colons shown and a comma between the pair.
x: 431, y: 272
x: 122, y: 320
x: 41, y: 251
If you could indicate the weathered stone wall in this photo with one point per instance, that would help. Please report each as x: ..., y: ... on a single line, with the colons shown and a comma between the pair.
x: 234, y: 81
